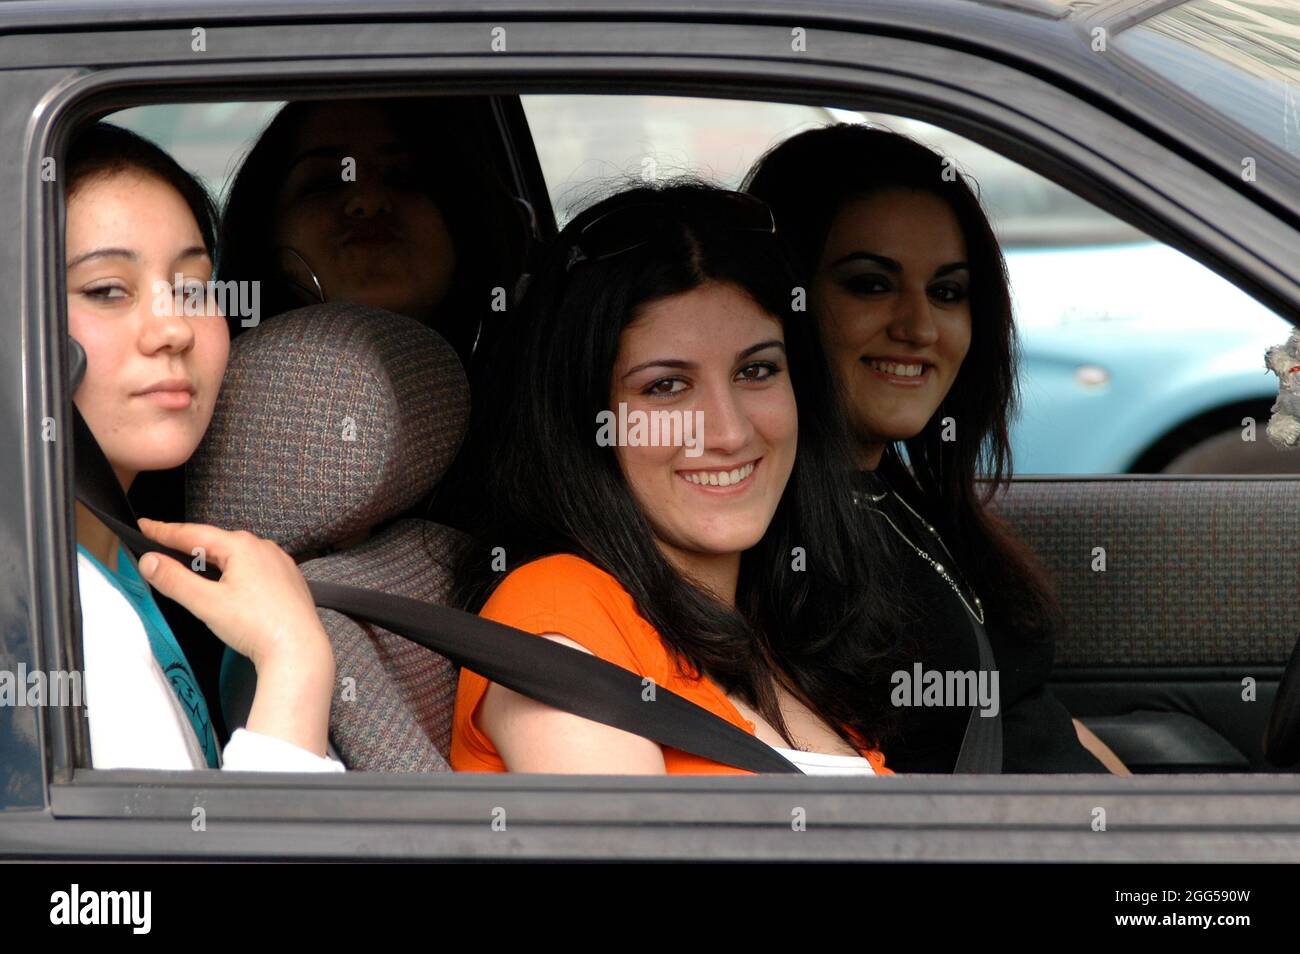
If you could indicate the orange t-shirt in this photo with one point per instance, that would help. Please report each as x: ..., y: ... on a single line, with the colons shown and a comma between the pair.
x: 565, y: 594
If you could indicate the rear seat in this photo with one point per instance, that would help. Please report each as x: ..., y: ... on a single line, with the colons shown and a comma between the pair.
x: 333, y: 420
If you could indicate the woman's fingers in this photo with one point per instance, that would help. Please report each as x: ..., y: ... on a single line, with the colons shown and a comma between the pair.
x: 216, y: 543
x: 177, y: 582
x: 262, y: 606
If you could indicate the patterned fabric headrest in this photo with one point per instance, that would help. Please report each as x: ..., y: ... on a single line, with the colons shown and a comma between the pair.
x: 331, y: 419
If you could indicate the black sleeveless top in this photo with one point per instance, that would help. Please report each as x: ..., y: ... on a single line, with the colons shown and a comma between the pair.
x: 1038, y: 734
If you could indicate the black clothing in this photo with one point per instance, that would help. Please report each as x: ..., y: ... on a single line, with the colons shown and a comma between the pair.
x: 160, y: 495
x: 1038, y: 735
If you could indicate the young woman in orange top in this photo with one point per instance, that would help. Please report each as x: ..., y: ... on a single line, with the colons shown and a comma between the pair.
x: 702, y: 552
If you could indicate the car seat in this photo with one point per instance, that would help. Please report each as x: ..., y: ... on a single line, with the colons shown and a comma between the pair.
x: 333, y: 421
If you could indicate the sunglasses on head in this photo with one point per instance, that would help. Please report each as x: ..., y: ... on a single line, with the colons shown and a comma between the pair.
x: 632, y: 226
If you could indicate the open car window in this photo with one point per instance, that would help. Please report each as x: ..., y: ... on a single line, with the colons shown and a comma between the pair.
x: 1098, y: 303
x: 1182, y: 617
x: 208, y: 139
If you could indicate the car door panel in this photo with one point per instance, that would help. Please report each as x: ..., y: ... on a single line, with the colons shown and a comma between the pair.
x: 1178, y: 598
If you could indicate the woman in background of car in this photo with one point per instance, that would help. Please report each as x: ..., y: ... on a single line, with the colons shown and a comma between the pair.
x: 382, y: 202
x: 909, y: 285
x: 136, y: 221
x: 723, y: 566
x: 379, y: 202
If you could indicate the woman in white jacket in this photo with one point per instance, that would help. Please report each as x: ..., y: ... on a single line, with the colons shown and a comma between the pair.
x: 140, y: 236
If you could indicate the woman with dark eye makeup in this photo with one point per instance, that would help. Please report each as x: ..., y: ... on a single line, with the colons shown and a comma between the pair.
x: 911, y: 293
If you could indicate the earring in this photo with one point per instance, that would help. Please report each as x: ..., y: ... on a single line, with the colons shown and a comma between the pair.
x: 319, y: 291
x: 478, y: 334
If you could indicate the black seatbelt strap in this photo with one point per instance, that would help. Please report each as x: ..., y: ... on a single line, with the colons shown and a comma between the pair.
x: 543, y: 670
x: 981, y: 746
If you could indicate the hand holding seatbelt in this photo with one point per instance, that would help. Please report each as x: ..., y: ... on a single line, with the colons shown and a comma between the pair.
x: 261, y: 607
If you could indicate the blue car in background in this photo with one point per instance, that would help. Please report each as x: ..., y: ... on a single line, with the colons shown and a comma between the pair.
x: 1137, y: 372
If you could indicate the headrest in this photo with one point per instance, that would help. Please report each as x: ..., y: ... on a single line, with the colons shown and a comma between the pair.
x: 331, y: 419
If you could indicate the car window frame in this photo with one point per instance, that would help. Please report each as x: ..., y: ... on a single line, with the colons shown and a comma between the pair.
x: 1229, y: 142
x: 134, y: 814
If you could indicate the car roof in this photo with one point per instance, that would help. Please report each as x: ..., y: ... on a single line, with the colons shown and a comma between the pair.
x: 28, y: 14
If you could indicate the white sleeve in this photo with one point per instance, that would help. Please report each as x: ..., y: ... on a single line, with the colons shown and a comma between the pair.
x: 254, y: 752
x: 136, y: 721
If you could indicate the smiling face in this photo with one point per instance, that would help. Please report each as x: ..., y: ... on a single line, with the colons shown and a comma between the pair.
x: 377, y: 239
x: 711, y: 350
x: 892, y: 291
x: 152, y: 374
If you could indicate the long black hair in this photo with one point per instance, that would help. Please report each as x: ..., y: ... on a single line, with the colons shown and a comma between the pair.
x: 446, y: 135
x: 807, y: 180
x: 555, y: 490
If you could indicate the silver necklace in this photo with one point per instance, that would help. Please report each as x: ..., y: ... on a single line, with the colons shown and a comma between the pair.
x: 861, y: 498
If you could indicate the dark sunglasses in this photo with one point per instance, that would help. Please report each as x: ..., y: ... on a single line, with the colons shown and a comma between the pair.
x: 632, y: 226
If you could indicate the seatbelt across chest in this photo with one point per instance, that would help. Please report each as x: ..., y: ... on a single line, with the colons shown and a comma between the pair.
x: 543, y: 670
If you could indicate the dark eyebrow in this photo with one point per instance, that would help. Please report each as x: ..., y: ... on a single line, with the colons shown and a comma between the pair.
x: 687, y: 365
x: 103, y: 253
x: 761, y: 346
x: 338, y: 151
x: 893, y: 266
x: 194, y: 251
x: 888, y: 264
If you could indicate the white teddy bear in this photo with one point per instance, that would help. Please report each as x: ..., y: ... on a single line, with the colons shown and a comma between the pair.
x: 1284, y: 361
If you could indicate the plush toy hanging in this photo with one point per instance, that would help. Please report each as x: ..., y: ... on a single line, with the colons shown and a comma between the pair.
x: 1284, y: 361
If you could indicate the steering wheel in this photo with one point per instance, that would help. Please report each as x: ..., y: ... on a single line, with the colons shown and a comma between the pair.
x: 1282, y: 740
